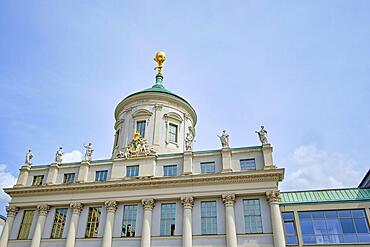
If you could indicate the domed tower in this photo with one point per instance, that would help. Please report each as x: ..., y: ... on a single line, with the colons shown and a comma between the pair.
x: 161, y: 117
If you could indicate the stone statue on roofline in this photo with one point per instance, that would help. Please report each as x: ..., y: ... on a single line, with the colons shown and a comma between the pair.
x: 224, y: 139
x: 29, y: 157
x: 59, y: 155
x: 262, y: 134
x: 89, y: 152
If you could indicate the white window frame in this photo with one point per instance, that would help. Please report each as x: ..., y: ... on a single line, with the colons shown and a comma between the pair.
x: 174, y: 119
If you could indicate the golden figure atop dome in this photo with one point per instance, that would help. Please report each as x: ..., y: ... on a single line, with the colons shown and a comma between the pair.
x: 160, y: 57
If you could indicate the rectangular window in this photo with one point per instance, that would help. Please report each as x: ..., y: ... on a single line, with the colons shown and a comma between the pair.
x: 116, y: 136
x: 168, y: 217
x: 209, y: 217
x: 140, y: 128
x: 69, y: 178
x: 132, y: 171
x: 26, y: 224
x: 207, y: 167
x: 59, y: 222
x: 334, y: 227
x: 129, y: 221
x: 289, y: 228
x: 172, y: 133
x: 101, y: 176
x: 252, y: 216
x: 170, y: 171
x: 37, y: 180
x: 247, y: 165
x: 93, y: 219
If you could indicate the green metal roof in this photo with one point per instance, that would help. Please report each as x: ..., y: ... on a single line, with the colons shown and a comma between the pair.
x: 324, y: 196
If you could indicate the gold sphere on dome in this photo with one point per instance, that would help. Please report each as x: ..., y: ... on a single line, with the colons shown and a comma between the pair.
x: 160, y: 57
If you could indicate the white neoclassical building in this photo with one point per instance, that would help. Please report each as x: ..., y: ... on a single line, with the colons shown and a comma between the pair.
x: 154, y: 190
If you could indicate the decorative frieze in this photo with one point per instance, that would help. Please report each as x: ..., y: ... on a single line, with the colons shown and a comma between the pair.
x: 228, y: 199
x: 148, y: 203
x: 187, y: 201
x: 11, y: 211
x: 111, y: 206
x: 76, y: 207
x: 43, y: 209
x: 273, y: 196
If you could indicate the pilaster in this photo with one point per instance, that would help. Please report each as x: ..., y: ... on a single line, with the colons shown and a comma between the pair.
x: 83, y: 172
x: 53, y: 173
x: 23, y: 176
x: 226, y: 159
x: 188, y: 162
x: 267, y: 157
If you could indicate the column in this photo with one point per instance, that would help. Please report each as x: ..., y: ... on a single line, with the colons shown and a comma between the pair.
x: 72, y: 231
x: 43, y: 212
x: 148, y: 205
x: 187, y: 234
x: 111, y: 207
x: 273, y: 197
x: 229, y: 202
x: 12, y: 212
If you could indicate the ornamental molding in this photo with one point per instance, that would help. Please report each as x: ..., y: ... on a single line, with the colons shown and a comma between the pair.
x: 148, y: 203
x: 43, y: 209
x: 142, y: 113
x: 228, y: 199
x: 153, y: 182
x: 111, y: 206
x: 76, y: 207
x: 173, y: 116
x: 187, y: 201
x: 11, y: 211
x: 273, y: 196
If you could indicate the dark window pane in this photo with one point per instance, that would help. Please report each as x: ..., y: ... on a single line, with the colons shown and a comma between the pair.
x: 318, y: 215
x: 289, y: 228
x: 358, y: 213
x: 288, y: 216
x: 307, y: 227
x: 364, y: 238
x: 361, y: 225
x: 309, y: 239
x: 347, y: 225
x: 344, y: 213
x: 331, y: 214
x: 291, y: 240
x: 349, y: 238
x: 304, y: 215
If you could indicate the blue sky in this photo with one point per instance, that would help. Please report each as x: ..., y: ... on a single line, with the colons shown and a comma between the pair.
x: 301, y: 68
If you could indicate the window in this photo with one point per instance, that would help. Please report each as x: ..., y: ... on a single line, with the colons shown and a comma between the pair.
x: 116, y: 138
x: 168, y: 217
x: 169, y: 171
x: 93, y: 219
x: 209, y: 217
x: 333, y: 227
x: 252, y: 216
x: 59, y: 222
x: 132, y: 171
x: 129, y: 221
x: 140, y: 128
x: 172, y: 132
x: 69, y: 178
x: 207, y: 167
x: 246, y: 165
x: 26, y: 224
x: 37, y: 180
x: 289, y: 227
x: 101, y: 176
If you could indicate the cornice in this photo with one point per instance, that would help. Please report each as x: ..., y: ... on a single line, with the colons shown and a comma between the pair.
x: 153, y: 182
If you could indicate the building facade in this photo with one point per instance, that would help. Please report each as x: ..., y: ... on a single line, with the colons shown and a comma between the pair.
x: 156, y: 191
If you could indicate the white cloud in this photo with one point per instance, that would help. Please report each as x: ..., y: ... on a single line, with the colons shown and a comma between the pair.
x: 312, y: 168
x: 74, y: 156
x: 7, y: 180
